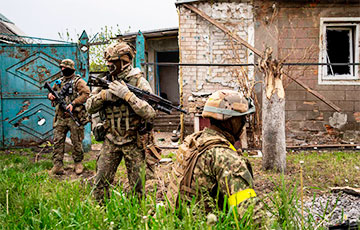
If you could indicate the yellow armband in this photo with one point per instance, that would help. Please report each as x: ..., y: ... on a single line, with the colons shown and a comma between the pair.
x: 232, y: 147
x: 240, y: 196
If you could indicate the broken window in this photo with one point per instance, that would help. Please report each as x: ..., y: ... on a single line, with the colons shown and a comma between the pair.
x: 339, y: 49
x: 339, y: 44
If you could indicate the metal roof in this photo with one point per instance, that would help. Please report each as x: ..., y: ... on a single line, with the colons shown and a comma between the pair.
x: 151, y: 33
x: 5, y: 19
x: 178, y: 2
x: 8, y: 31
x: 7, y: 35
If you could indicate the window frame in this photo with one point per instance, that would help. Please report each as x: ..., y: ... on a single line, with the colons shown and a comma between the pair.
x: 344, y: 79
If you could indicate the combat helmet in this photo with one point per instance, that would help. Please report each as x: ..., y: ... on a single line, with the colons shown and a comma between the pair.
x: 68, y: 63
x: 224, y: 104
x: 116, y: 51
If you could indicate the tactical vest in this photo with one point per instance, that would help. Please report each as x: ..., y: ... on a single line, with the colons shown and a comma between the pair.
x: 120, y: 119
x: 70, y: 96
x: 186, y: 159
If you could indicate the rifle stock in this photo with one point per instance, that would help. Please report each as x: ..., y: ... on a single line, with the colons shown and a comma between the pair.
x: 154, y: 100
x: 61, y: 102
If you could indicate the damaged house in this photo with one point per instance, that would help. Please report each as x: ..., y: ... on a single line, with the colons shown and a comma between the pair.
x: 155, y: 46
x: 322, y: 100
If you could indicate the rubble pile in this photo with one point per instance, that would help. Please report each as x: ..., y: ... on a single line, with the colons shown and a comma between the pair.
x: 336, y: 207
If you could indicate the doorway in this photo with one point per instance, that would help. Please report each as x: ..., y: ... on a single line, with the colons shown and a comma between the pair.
x: 167, y: 85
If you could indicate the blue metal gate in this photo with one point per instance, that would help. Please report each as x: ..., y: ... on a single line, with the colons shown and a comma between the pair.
x: 26, y: 114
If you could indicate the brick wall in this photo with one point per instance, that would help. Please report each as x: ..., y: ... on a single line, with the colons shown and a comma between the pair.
x: 292, y: 29
x: 201, y: 42
x: 297, y: 36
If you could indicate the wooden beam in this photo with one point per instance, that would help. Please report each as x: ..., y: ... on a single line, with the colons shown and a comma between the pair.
x: 257, y: 52
x: 347, y: 189
x: 322, y: 146
x: 336, y: 146
x: 315, y: 93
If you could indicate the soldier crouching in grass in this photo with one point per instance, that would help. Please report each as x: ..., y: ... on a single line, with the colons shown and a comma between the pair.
x: 76, y: 92
x: 125, y: 118
x: 208, y: 167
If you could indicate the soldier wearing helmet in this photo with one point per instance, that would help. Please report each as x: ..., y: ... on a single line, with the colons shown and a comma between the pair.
x: 125, y: 120
x: 75, y: 92
x: 208, y: 167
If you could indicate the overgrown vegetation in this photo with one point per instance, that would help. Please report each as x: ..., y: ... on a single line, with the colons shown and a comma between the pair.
x: 322, y: 170
x: 98, y: 41
x: 93, y: 141
x: 37, y: 201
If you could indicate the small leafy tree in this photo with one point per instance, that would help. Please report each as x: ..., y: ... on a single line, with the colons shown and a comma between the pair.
x: 98, y: 42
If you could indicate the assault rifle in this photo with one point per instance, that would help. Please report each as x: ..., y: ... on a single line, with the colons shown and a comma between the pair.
x: 60, y: 100
x: 154, y: 100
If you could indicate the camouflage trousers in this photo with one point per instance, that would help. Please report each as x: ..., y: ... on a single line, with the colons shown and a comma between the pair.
x: 108, y: 161
x: 61, y: 127
x: 259, y: 217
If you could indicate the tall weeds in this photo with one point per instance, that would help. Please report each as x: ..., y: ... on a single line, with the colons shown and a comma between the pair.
x: 37, y: 201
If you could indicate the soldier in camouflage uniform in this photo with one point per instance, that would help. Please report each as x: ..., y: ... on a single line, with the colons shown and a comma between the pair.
x: 77, y: 92
x: 208, y: 166
x: 125, y: 120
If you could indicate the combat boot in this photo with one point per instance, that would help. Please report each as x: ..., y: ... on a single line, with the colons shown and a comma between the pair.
x: 57, y: 170
x: 79, y: 168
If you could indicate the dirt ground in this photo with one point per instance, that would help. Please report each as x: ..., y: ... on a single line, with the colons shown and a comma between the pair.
x: 162, y: 139
x: 263, y: 184
x: 318, y: 175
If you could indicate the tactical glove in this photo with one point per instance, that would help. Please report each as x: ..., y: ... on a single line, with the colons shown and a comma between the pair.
x: 120, y: 90
x: 107, y: 96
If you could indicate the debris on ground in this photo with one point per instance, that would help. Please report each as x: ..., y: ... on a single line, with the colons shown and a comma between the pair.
x: 337, y: 208
x: 347, y: 189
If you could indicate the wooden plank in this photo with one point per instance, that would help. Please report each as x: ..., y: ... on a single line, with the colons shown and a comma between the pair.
x: 168, y: 147
x: 257, y: 52
x: 324, y: 146
x: 315, y: 93
x: 347, y: 189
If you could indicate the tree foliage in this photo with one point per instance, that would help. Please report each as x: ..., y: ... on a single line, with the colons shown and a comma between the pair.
x: 98, y: 42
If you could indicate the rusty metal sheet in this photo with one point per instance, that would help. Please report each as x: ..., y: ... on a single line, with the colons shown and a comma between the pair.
x: 26, y: 113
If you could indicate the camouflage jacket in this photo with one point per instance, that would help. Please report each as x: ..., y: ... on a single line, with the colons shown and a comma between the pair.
x: 80, y: 93
x: 214, y: 166
x: 122, y: 119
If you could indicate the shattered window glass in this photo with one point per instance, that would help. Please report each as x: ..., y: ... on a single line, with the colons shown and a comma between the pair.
x: 339, y: 49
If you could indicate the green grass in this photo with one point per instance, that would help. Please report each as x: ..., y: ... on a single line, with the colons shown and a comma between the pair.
x: 91, y: 165
x: 93, y: 141
x: 170, y: 155
x: 320, y: 168
x: 38, y: 201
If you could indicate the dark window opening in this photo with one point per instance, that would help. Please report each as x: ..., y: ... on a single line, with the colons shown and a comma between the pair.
x: 339, y: 50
